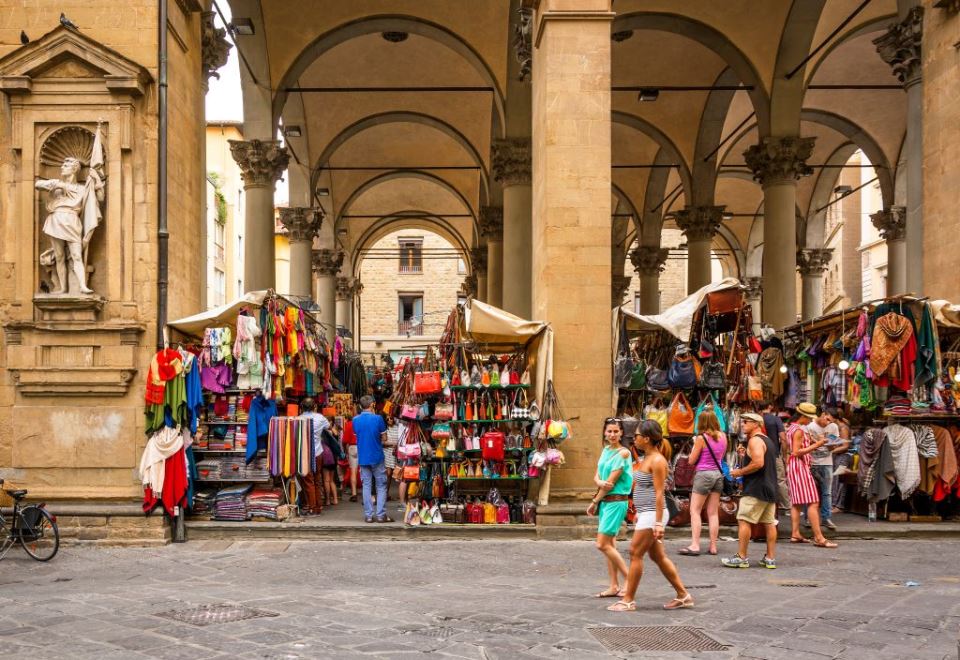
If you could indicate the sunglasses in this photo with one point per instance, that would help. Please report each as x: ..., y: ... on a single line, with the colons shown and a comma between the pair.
x: 612, y: 420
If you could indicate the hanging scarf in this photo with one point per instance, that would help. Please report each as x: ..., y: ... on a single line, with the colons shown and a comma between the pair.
x: 890, y: 334
x: 768, y: 368
x: 906, y: 461
x: 166, y: 365
x: 870, y: 445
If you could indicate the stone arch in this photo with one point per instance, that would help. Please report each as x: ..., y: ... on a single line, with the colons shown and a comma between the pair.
x: 736, y: 250
x: 872, y: 25
x: 814, y: 233
x: 712, y: 39
x: 667, y: 146
x: 399, y: 220
x: 709, y: 135
x: 654, y: 200
x: 390, y: 22
x: 786, y: 94
x: 395, y: 117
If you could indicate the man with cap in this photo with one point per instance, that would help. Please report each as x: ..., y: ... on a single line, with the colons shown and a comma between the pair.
x: 758, y: 501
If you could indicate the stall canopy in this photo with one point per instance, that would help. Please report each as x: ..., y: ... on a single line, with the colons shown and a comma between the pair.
x: 195, y: 325
x: 677, y: 320
x: 945, y: 313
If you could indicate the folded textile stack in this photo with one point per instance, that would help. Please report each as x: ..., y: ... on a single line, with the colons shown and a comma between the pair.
x: 263, y: 503
x: 204, y: 501
x: 897, y: 405
x: 209, y: 469
x: 232, y: 468
x: 231, y: 503
x: 240, y: 437
x: 257, y: 470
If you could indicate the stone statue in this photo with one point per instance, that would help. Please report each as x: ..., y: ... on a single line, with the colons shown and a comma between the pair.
x: 74, y: 212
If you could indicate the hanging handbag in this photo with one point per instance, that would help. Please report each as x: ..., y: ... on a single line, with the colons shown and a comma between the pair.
x: 494, y: 376
x: 682, y: 374
x: 680, y: 417
x: 638, y: 377
x: 491, y: 445
x: 443, y: 411
x: 503, y: 514
x: 754, y: 386
x: 408, y: 448
x: 427, y: 382
x: 411, y: 473
x: 410, y: 412
x: 712, y: 376
x: 657, y: 380
x: 440, y: 432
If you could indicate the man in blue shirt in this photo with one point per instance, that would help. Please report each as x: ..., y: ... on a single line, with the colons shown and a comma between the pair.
x: 371, y: 432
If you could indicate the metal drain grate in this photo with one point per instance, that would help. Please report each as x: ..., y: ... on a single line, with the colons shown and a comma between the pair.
x: 701, y: 586
x: 796, y: 583
x: 631, y: 639
x: 208, y: 615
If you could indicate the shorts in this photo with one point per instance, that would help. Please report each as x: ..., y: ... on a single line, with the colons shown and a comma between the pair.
x: 352, y: 459
x: 612, y: 515
x: 755, y: 511
x: 648, y: 519
x: 708, y: 481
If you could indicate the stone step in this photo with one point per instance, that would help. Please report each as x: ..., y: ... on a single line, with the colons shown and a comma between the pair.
x: 205, y: 530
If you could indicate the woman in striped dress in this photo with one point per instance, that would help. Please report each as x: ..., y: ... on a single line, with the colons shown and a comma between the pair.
x: 800, y: 484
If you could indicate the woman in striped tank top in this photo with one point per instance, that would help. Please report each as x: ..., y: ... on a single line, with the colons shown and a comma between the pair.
x: 801, y: 485
x: 649, y: 479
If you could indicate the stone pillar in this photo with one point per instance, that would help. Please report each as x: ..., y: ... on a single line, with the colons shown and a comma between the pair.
x: 648, y: 261
x: 469, y: 286
x: 326, y: 263
x: 510, y: 164
x: 571, y: 268
x: 777, y: 163
x: 302, y: 225
x: 812, y: 264
x: 491, y: 228
x: 261, y: 164
x: 478, y: 259
x: 900, y: 47
x: 618, y: 289
x: 753, y: 291
x: 699, y: 225
x: 893, y: 223
x: 347, y: 289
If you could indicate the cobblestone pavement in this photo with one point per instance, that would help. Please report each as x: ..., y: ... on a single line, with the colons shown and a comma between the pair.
x: 477, y: 600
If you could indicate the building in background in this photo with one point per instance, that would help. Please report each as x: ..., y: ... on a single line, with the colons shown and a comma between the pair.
x: 225, y: 214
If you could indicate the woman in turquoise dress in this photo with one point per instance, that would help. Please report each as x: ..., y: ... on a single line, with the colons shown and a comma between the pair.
x: 614, y: 478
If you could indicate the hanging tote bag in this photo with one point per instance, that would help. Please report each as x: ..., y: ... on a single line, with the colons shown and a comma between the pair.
x: 408, y: 446
x: 712, y: 376
x: 491, y: 445
x: 683, y: 472
x: 683, y: 373
x: 680, y: 418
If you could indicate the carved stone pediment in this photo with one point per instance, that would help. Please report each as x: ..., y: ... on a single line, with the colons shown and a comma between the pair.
x: 67, y: 57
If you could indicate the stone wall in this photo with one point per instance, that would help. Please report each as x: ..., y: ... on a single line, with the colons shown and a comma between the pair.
x: 673, y: 279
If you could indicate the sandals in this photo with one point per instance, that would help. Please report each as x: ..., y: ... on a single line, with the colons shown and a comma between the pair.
x: 799, y: 540
x: 623, y: 606
x: 689, y: 552
x: 826, y: 544
x: 680, y: 603
x: 607, y: 594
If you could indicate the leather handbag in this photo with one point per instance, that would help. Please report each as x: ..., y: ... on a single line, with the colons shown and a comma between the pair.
x: 680, y: 418
x: 638, y: 377
x: 427, y: 382
x: 724, y: 302
x: 683, y: 373
x: 657, y: 379
x: 712, y: 376
x: 683, y: 472
x: 409, y: 411
x: 411, y: 473
x: 443, y: 411
x: 409, y: 446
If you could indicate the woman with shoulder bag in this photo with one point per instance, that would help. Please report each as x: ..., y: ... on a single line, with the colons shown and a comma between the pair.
x: 649, y: 498
x: 613, y: 480
x: 709, y: 447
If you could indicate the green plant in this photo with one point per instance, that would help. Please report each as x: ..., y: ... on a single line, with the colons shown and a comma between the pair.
x: 219, y: 198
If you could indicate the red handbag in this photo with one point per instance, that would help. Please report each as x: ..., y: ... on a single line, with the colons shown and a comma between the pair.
x: 491, y: 445
x: 427, y: 382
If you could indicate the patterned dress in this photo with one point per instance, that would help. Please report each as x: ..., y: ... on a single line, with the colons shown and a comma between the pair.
x: 800, y: 483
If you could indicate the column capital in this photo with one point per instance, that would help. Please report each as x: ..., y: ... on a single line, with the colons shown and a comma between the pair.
x: 813, y: 261
x: 261, y: 161
x: 510, y: 161
x: 779, y: 159
x: 753, y: 287
x: 327, y: 262
x: 619, y: 287
x: 491, y: 222
x: 214, y: 47
x: 649, y: 259
x: 900, y: 47
x: 523, y: 42
x: 301, y: 223
x: 892, y: 222
x: 469, y: 286
x: 699, y: 223
x: 478, y: 260
x: 348, y: 287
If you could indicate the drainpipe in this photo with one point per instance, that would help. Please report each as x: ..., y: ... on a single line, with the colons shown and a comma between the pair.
x: 163, y: 235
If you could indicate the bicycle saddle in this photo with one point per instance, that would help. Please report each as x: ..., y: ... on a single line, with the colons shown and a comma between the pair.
x: 17, y: 494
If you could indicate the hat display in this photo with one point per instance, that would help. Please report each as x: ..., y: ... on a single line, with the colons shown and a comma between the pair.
x: 807, y: 410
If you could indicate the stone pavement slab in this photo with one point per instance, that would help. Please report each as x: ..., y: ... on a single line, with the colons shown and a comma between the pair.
x: 474, y: 600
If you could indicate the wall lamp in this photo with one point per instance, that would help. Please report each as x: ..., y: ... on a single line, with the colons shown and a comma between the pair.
x: 242, y: 26
x: 648, y: 94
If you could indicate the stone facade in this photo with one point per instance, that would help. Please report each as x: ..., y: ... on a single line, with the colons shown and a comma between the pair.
x: 225, y: 257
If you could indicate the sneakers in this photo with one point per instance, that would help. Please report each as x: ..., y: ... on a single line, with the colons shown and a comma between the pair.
x: 766, y: 562
x: 735, y: 561
x: 829, y: 524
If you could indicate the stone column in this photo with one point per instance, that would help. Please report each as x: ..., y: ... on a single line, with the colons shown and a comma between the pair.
x: 619, y: 288
x: 648, y: 261
x: 469, y: 286
x: 261, y: 164
x: 777, y: 163
x: 754, y: 293
x: 893, y: 223
x: 812, y: 264
x: 491, y: 228
x: 699, y: 225
x: 326, y: 263
x: 510, y: 164
x: 347, y: 289
x: 302, y: 225
x: 478, y: 259
x: 900, y: 47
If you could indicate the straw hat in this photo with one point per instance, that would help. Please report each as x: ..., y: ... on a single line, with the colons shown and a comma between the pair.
x: 807, y: 410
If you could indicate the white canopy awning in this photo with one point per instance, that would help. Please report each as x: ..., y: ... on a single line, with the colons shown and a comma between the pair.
x: 196, y: 324
x: 678, y: 319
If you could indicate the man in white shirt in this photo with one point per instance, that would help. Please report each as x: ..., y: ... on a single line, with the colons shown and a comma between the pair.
x: 313, y: 483
x: 821, y: 461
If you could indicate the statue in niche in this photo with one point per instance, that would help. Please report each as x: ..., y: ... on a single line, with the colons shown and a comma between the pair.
x: 74, y: 208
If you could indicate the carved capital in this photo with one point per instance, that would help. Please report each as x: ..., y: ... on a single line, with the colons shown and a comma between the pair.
x: 900, y: 47
x: 348, y: 287
x: 700, y: 223
x: 813, y: 261
x: 478, y: 259
x: 523, y: 42
x: 649, y: 259
x: 892, y: 222
x: 491, y: 222
x: 618, y: 288
x: 753, y: 287
x: 301, y: 223
x: 469, y: 286
x: 510, y: 161
x: 261, y: 161
x: 327, y: 262
x: 214, y: 47
x: 778, y: 159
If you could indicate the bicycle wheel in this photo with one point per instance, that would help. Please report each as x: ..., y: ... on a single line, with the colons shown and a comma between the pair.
x: 6, y: 538
x: 39, y: 535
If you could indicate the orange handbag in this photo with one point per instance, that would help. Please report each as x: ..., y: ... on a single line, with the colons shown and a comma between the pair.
x: 427, y: 382
x: 680, y: 418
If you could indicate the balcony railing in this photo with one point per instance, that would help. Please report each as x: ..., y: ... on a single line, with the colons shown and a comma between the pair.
x: 409, y: 328
x: 410, y: 268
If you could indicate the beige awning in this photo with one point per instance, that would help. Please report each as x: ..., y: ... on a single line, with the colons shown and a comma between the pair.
x: 676, y: 320
x: 946, y: 313
x: 225, y: 314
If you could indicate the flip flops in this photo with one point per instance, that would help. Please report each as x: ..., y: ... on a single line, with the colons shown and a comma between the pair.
x: 827, y: 544
x: 799, y: 540
x: 623, y: 606
x: 680, y: 603
x: 607, y: 594
x: 689, y: 553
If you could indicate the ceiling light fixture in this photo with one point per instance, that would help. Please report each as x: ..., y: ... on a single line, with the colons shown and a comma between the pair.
x: 843, y: 190
x: 323, y: 192
x: 292, y: 131
x: 623, y: 35
x: 727, y: 216
x: 243, y: 26
x: 394, y: 37
x: 648, y: 94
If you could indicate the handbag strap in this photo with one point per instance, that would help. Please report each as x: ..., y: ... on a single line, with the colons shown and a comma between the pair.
x: 710, y: 449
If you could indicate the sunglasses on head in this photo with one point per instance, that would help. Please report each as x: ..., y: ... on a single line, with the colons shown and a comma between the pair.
x: 612, y: 420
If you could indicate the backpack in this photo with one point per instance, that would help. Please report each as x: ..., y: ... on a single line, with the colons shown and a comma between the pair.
x: 712, y: 376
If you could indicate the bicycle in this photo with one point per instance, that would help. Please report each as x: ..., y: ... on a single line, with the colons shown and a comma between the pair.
x: 32, y: 526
